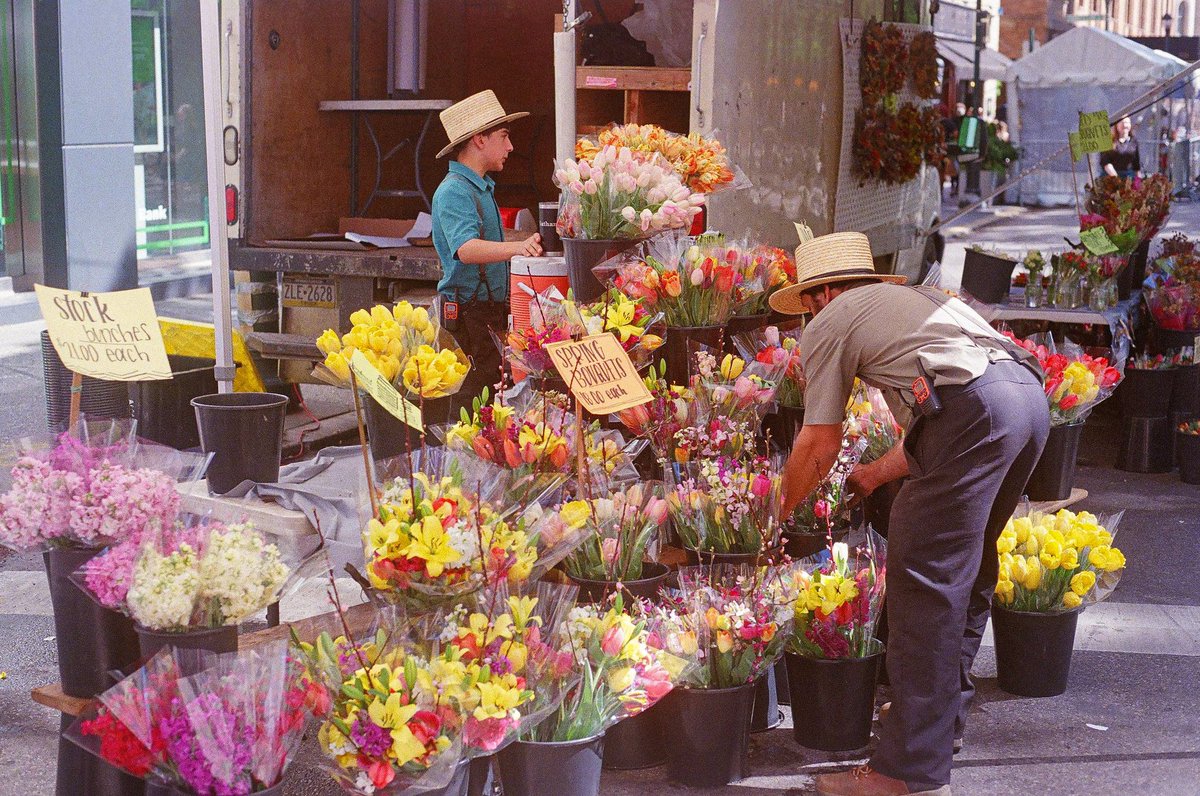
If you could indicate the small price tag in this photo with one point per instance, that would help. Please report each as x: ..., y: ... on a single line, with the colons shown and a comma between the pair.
x: 380, y: 389
x: 1096, y: 241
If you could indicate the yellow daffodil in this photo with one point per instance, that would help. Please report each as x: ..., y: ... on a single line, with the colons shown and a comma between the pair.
x: 1083, y: 582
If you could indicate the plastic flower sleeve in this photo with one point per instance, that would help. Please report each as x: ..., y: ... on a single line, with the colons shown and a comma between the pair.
x: 725, y: 505
x: 777, y: 345
x: 622, y: 528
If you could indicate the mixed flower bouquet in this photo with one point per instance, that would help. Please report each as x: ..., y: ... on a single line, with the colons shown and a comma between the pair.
x: 224, y: 725
x: 757, y: 270
x: 869, y: 418
x: 404, y: 343
x: 188, y: 577
x: 85, y: 489
x: 772, y: 345
x: 734, y: 388
x: 1129, y: 211
x: 622, y: 671
x: 555, y: 319
x: 1057, y: 562
x: 1075, y: 381
x: 1182, y: 357
x: 669, y: 410
x: 701, y: 163
x: 726, y: 505
x: 673, y: 276
x: 1191, y: 427
x: 729, y: 622
x: 620, y: 529
x: 1172, y: 289
x: 839, y: 598
x: 617, y: 193
x: 711, y: 437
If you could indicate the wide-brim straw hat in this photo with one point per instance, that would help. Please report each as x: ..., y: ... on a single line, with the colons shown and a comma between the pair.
x: 837, y: 257
x: 476, y: 114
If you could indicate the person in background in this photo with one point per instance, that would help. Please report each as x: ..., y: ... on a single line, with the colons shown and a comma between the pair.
x: 469, y: 239
x: 976, y: 421
x: 1123, y: 159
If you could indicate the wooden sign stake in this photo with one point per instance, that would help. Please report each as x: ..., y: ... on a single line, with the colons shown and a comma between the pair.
x: 362, y: 441
x: 76, y: 396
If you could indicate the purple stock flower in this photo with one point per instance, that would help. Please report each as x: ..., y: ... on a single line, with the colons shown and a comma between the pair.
x: 371, y: 739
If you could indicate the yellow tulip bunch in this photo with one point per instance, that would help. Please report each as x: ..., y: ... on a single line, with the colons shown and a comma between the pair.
x: 401, y: 341
x: 1053, y: 562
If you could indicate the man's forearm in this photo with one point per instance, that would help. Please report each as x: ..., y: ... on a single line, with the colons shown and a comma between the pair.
x: 812, y: 457
x: 480, y: 252
x: 887, y: 468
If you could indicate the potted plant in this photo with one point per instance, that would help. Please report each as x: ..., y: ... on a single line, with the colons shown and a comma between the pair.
x: 71, y: 496
x: 232, y: 726
x: 621, y: 674
x: 1075, y: 383
x: 1050, y: 567
x: 832, y: 653
x: 729, y: 622
x: 612, y: 199
x: 189, y: 587
x: 987, y: 275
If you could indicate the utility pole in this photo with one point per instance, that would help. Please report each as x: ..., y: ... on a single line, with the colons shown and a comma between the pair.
x: 980, y: 37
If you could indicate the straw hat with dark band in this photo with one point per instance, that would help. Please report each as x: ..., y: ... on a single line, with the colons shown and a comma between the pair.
x: 478, y: 113
x: 838, y: 257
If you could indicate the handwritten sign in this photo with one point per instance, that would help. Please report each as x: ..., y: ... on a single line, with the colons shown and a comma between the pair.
x: 1095, y: 133
x: 113, y: 336
x: 379, y: 388
x: 598, y: 373
x: 1097, y: 242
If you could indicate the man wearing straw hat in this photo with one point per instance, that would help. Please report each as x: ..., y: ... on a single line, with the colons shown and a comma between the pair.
x: 468, y: 237
x: 976, y: 420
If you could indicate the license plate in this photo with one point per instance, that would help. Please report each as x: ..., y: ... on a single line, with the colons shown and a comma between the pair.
x: 309, y: 292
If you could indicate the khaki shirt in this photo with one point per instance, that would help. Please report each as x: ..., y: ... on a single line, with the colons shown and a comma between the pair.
x: 880, y: 333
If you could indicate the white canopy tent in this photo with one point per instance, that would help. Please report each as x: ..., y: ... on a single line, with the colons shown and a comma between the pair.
x: 1085, y: 69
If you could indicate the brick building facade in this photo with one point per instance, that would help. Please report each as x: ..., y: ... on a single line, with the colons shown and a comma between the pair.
x: 1044, y: 19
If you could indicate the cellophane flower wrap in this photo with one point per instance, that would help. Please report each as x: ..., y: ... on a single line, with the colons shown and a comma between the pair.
x: 554, y: 319
x: 869, y: 418
x: 404, y: 343
x: 838, y: 599
x: 735, y: 388
x: 673, y: 276
x: 727, y: 505
x: 621, y: 530
x: 1075, y: 381
x: 93, y: 486
x: 730, y: 622
x: 827, y: 509
x: 670, y: 409
x: 1172, y: 289
x: 1051, y: 563
x: 779, y: 347
x: 537, y: 434
x: 758, y: 270
x: 623, y: 671
x: 701, y: 163
x: 201, y: 724
x: 190, y: 577
x: 617, y: 193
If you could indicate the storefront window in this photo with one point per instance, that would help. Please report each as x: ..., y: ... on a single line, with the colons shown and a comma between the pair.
x: 168, y: 121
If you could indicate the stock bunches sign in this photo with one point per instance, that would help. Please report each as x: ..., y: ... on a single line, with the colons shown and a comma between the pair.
x: 112, y: 336
x: 599, y: 373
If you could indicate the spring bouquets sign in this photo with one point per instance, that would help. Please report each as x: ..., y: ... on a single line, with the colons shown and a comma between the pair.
x: 113, y: 336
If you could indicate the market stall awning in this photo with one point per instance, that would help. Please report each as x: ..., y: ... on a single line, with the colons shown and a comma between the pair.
x: 992, y: 64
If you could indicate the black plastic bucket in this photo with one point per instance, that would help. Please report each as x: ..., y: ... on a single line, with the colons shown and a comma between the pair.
x: 710, y: 735
x: 245, y: 431
x: 595, y: 591
x: 639, y: 742
x: 1185, y: 393
x: 387, y: 435
x: 92, y: 640
x: 480, y: 779
x: 783, y: 425
x: 1054, y: 475
x: 562, y: 768
x: 832, y: 701
x: 1147, y: 445
x: 765, y: 714
x: 213, y: 639
x: 677, y: 348
x: 163, y: 407
x: 99, y: 399
x: 1146, y: 393
x: 584, y: 255
x: 1170, y: 339
x: 708, y: 559
x: 1033, y: 650
x: 1187, y: 448
x: 987, y: 277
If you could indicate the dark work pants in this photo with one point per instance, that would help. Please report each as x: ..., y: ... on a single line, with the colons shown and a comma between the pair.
x: 476, y: 322
x: 969, y: 465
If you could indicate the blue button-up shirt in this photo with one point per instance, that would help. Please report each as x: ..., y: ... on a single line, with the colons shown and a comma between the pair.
x: 464, y: 208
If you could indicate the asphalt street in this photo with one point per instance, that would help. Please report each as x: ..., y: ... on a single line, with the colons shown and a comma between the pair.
x: 1128, y: 724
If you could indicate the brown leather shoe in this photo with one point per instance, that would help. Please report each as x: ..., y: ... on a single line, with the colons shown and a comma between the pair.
x: 865, y: 781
